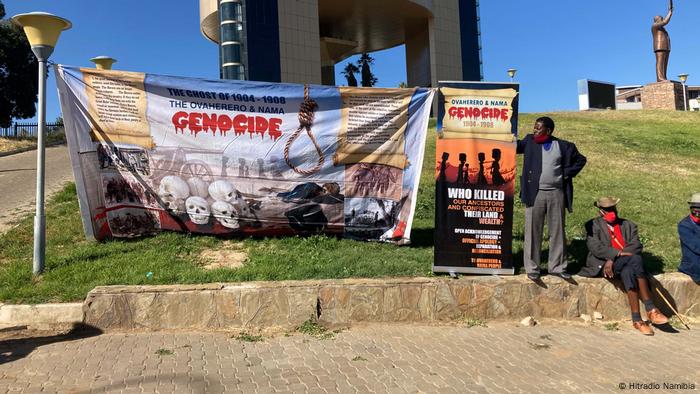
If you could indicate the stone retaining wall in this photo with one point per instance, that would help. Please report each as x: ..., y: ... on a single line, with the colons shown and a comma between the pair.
x: 285, y: 305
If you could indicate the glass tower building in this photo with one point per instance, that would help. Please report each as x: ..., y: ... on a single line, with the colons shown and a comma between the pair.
x: 301, y: 41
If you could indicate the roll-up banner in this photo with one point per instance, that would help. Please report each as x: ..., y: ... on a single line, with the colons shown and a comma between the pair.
x: 152, y: 152
x: 475, y: 177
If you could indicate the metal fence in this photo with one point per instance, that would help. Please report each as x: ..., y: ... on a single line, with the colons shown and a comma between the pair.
x: 28, y: 130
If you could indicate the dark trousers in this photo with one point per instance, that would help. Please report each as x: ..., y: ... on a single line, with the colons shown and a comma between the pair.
x: 629, y: 269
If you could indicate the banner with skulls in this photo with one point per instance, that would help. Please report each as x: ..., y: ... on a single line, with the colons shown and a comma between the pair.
x: 153, y: 153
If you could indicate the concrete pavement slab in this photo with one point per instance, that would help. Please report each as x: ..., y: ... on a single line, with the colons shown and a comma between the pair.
x: 503, y: 357
x: 18, y: 181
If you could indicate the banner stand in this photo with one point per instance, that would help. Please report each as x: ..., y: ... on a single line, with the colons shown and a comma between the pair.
x: 475, y: 175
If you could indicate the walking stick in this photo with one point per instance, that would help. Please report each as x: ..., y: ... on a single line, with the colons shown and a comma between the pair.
x: 672, y: 308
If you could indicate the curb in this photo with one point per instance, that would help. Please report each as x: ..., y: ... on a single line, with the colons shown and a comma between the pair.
x: 16, y: 151
x: 41, y: 316
x: 341, y: 303
x: 283, y: 305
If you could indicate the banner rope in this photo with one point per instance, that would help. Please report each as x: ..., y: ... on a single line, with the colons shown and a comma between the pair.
x: 307, y: 113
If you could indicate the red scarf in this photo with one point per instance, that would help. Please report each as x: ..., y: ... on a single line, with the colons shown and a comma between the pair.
x: 616, y: 239
x: 694, y: 219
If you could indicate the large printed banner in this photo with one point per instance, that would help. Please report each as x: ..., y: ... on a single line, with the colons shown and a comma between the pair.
x: 475, y: 177
x: 152, y: 152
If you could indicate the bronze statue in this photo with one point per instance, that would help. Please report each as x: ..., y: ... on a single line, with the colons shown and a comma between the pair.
x: 662, y: 43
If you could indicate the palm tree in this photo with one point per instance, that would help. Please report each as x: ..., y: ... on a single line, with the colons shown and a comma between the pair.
x: 349, y: 74
x: 368, y: 78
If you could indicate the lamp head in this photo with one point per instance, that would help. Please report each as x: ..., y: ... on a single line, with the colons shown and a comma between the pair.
x: 683, y: 77
x: 42, y: 30
x: 511, y: 72
x: 103, y: 62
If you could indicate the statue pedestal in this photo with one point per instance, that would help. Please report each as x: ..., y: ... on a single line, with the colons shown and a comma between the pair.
x: 663, y: 95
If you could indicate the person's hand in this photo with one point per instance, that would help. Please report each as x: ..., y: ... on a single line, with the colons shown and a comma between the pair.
x: 608, y: 269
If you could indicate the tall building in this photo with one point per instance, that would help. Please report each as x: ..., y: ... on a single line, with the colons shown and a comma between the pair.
x: 301, y: 41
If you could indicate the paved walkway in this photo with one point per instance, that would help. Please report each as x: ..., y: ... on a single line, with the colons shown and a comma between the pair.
x: 398, y: 358
x: 18, y: 181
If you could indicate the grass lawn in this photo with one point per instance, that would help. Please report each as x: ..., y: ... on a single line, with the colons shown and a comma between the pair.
x: 650, y: 160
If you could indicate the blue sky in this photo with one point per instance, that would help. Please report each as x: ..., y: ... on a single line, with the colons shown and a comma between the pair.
x: 552, y: 43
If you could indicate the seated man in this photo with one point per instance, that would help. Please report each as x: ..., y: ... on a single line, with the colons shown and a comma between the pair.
x: 689, y: 234
x: 614, y: 248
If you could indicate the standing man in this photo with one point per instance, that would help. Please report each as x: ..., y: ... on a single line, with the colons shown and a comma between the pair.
x: 546, y: 189
x: 689, y: 234
x: 662, y: 43
x: 614, y: 248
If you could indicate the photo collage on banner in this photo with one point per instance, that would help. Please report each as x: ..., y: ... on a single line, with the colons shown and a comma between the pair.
x: 475, y: 177
x: 154, y: 153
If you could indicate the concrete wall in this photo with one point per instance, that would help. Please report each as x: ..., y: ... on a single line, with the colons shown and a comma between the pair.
x: 418, y: 65
x: 625, y: 106
x: 300, y: 48
x: 694, y: 105
x: 445, y: 43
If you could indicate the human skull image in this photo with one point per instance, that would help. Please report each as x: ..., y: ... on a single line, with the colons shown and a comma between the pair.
x: 198, y: 187
x: 173, y: 204
x: 223, y: 191
x: 225, y: 214
x: 173, y: 186
x: 198, y: 210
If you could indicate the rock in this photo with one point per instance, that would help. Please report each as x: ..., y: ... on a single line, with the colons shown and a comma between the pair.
x: 586, y: 318
x: 528, y: 321
x: 597, y: 315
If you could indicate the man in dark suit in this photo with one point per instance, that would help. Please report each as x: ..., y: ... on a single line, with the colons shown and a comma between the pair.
x: 614, y: 249
x: 546, y: 189
x: 689, y: 235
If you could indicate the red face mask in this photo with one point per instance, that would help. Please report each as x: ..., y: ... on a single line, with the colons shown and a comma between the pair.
x: 610, y: 216
x: 695, y: 215
x: 541, y: 138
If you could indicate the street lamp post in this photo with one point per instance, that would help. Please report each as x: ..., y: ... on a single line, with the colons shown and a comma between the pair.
x: 103, y: 62
x: 42, y: 30
x: 684, y: 78
x: 511, y: 74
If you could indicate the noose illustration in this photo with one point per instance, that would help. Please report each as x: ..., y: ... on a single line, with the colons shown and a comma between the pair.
x: 307, y: 113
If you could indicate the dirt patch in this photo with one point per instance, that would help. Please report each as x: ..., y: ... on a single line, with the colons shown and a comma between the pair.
x: 230, y: 255
x: 8, y: 145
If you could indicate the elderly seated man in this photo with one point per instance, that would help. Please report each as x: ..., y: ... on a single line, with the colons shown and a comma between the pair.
x: 615, y: 250
x: 689, y: 234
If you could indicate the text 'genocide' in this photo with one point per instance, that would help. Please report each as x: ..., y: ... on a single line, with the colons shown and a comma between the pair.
x: 198, y: 122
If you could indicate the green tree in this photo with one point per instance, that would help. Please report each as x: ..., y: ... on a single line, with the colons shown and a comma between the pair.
x: 349, y: 73
x: 403, y: 85
x: 18, y: 73
x: 368, y: 78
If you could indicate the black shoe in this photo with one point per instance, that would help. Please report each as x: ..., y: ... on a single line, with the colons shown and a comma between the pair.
x: 563, y: 275
x: 534, y: 277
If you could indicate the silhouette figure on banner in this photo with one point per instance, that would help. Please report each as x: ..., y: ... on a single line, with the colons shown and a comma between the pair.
x: 496, y: 177
x: 463, y: 170
x: 443, y: 167
x: 481, y: 178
